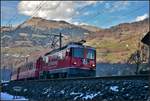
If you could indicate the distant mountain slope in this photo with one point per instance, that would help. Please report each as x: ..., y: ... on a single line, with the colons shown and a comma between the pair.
x: 124, y: 29
x: 37, y: 29
x: 51, y: 26
x: 113, y: 45
x: 90, y: 28
x: 117, y: 43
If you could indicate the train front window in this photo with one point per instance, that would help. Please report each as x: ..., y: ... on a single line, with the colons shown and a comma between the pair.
x: 78, y: 52
x: 91, y: 54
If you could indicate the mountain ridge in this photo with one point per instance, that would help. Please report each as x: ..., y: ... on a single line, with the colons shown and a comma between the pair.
x: 119, y: 41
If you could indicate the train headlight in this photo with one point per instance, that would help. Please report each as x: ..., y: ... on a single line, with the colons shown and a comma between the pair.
x: 74, y: 63
x: 68, y: 50
x: 93, y: 65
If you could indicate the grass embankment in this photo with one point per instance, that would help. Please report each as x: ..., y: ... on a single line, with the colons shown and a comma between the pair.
x: 114, y: 50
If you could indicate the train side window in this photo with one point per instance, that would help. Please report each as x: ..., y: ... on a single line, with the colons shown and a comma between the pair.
x: 46, y: 59
x: 61, y: 55
x: 70, y: 53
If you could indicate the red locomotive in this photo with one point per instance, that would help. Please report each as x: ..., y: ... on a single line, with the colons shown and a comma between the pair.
x: 72, y: 60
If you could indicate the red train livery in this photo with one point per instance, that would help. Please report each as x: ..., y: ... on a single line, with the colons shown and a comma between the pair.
x: 72, y: 60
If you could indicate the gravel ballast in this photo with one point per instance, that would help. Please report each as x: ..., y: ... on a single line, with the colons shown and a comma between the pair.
x: 81, y: 90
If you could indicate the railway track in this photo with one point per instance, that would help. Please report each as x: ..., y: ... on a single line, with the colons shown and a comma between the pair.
x: 128, y: 77
x: 72, y: 88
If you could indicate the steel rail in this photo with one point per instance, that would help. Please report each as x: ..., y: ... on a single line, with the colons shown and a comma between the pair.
x: 127, y: 77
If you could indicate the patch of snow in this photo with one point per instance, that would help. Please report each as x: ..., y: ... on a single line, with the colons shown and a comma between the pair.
x: 145, y: 86
x: 3, y: 81
x: 75, y: 98
x: 5, y: 96
x: 127, y: 94
x: 46, y: 90
x: 62, y: 91
x: 77, y: 95
x: 90, y: 96
x: 48, y: 95
x: 25, y: 90
x: 85, y: 87
x: 114, y: 88
x: 5, y: 84
x: 73, y: 93
x: 123, y: 89
x: 17, y: 88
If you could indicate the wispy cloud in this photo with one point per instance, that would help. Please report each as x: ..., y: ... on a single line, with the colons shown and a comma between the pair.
x: 116, y: 6
x: 142, y: 17
x: 98, y: 13
x: 54, y: 10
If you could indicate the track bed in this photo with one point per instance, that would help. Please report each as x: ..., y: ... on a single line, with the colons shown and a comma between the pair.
x: 116, y: 88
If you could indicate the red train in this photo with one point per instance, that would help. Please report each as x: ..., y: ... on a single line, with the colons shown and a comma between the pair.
x: 72, y: 60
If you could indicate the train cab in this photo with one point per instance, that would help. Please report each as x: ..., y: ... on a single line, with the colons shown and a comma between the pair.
x: 74, y: 59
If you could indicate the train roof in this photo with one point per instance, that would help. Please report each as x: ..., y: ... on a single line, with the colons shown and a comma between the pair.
x: 71, y: 44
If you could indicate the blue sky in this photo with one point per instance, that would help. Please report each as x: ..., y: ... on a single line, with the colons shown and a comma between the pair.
x: 102, y: 14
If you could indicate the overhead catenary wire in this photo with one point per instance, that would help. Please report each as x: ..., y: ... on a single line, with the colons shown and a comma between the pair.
x: 82, y: 8
x: 33, y: 14
x: 14, y: 17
